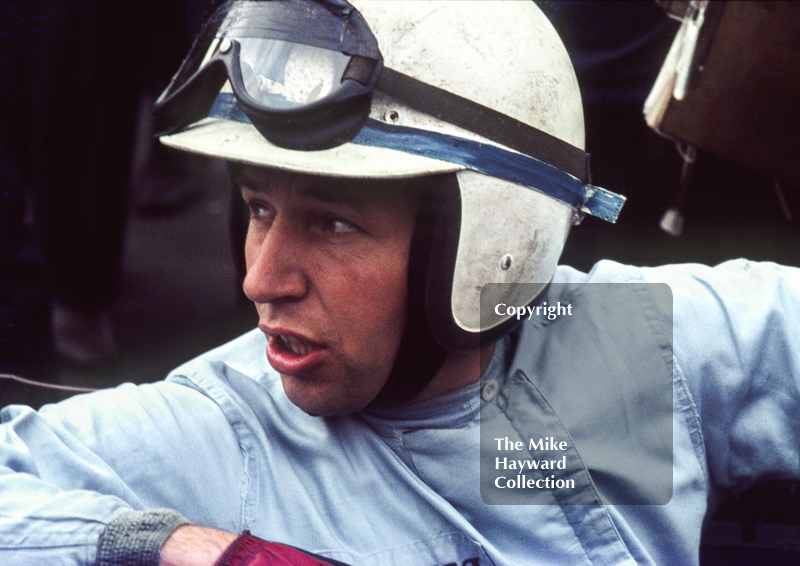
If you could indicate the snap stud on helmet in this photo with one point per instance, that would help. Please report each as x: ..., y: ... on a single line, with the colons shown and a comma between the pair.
x: 480, y: 91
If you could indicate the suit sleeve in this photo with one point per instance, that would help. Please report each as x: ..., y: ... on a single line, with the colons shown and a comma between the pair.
x: 137, y: 459
x: 737, y: 344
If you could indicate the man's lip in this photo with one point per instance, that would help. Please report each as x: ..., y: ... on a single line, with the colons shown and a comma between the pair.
x: 287, y: 362
x: 271, y: 331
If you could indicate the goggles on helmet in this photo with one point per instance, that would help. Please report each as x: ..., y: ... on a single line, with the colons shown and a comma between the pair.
x: 302, y: 72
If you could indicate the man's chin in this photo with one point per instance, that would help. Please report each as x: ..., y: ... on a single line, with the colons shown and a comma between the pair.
x: 321, y: 401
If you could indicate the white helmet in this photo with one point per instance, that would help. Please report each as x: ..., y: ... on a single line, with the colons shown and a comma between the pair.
x: 483, y: 90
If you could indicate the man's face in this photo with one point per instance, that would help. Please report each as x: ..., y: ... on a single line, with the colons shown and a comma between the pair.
x: 327, y: 266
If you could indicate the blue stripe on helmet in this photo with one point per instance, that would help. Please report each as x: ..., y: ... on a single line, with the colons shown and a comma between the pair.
x: 473, y: 155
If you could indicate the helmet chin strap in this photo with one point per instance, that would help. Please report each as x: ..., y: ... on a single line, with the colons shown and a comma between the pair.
x: 420, y: 356
x: 417, y: 362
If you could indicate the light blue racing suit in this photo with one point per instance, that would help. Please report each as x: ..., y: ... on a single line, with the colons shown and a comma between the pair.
x: 219, y: 444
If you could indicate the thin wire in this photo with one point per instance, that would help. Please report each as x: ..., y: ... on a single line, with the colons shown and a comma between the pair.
x: 24, y: 381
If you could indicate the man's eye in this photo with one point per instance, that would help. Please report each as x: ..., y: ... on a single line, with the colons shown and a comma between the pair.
x: 257, y: 210
x: 339, y: 226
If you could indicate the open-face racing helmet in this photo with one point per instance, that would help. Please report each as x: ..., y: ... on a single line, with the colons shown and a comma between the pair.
x: 481, y: 94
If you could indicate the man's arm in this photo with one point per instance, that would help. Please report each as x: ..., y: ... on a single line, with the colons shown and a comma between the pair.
x: 76, y: 471
x: 736, y: 330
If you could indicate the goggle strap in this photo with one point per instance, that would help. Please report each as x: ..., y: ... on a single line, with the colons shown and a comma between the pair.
x: 360, y: 69
x: 485, y: 122
x: 492, y: 160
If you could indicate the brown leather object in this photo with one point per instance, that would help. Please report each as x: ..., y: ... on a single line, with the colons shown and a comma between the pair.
x: 743, y: 102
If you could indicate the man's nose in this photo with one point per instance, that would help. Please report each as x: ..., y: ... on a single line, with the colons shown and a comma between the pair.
x: 275, y: 265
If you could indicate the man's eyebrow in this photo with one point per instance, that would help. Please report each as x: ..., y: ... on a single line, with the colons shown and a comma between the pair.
x: 337, y: 192
x: 242, y: 181
x: 356, y: 193
x: 329, y: 192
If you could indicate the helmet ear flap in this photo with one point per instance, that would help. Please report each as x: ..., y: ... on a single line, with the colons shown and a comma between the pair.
x: 445, y: 231
x: 446, y: 220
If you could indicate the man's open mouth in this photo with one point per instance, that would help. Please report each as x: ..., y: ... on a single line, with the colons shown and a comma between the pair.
x: 294, y: 345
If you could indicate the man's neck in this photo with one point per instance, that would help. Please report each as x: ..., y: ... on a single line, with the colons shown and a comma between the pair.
x: 457, y: 372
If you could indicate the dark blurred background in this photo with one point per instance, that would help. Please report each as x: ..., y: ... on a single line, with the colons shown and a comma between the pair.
x: 114, y: 255
x: 730, y: 211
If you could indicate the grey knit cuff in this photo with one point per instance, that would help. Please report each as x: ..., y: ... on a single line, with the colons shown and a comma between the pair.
x: 135, y: 538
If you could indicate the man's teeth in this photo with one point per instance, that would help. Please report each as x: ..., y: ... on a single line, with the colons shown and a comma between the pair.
x: 295, y: 345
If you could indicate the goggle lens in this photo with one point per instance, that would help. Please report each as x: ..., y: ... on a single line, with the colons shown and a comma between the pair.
x: 281, y: 75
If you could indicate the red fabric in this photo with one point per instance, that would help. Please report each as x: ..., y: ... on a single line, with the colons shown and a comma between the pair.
x: 248, y: 550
